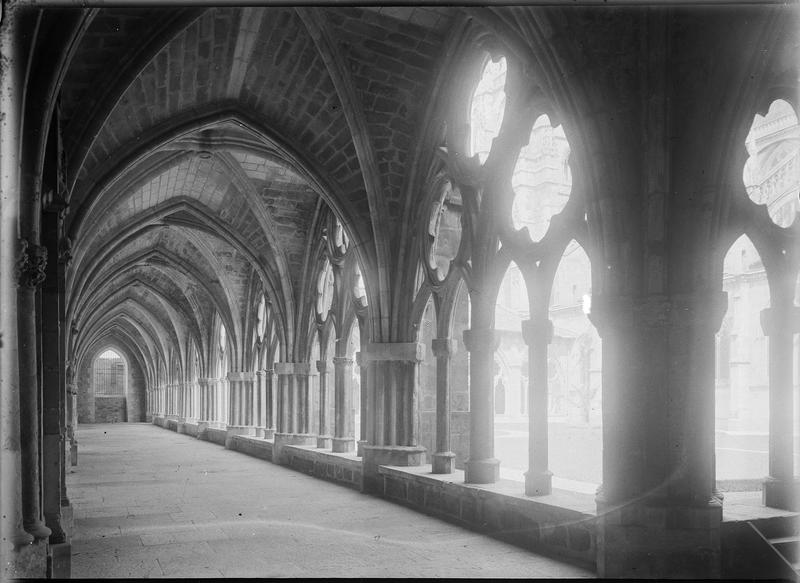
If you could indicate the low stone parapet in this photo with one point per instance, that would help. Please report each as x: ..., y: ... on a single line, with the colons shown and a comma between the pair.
x: 342, y: 468
x: 561, y: 524
x: 252, y: 446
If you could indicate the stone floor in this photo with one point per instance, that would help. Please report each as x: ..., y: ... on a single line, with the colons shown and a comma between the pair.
x: 153, y: 503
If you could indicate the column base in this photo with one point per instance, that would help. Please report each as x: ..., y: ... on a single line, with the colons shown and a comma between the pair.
x: 20, y: 538
x: 58, y: 534
x: 360, y: 447
x: 782, y: 494
x: 37, y: 529
x: 264, y: 433
x: 482, y: 471
x: 443, y: 463
x: 538, y: 483
x: 659, y: 540
x: 343, y: 444
x: 232, y: 431
x: 387, y: 455
x: 202, y: 429
x: 324, y: 441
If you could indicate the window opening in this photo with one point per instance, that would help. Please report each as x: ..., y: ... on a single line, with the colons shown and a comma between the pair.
x: 487, y: 108
x: 427, y: 390
x: 742, y: 373
x: 109, y: 375
x: 353, y: 346
x: 325, y: 290
x: 772, y: 172
x: 540, y: 182
x: 359, y: 290
x: 445, y: 229
x: 459, y: 378
x: 574, y: 369
x: 511, y: 360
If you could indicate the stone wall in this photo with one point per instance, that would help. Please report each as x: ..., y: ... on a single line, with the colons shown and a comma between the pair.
x: 85, y: 393
x: 110, y: 409
x: 561, y: 525
x: 136, y: 395
x: 340, y: 468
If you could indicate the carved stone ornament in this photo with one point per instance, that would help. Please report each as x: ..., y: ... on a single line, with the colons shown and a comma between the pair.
x: 65, y: 252
x: 31, y: 263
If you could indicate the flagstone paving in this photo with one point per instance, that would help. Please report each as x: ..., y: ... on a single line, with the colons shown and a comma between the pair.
x: 152, y: 503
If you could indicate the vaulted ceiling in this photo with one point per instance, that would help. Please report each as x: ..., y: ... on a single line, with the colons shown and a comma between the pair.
x: 205, y: 148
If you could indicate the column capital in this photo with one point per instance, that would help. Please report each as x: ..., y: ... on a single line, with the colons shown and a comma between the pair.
x: 444, y: 347
x: 322, y: 366
x: 31, y: 264
x: 241, y: 376
x: 393, y: 351
x: 342, y: 360
x: 475, y: 339
x: 679, y: 310
x: 780, y: 318
x: 289, y: 368
x: 537, y: 328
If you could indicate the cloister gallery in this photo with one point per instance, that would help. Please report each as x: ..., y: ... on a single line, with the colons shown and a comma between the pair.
x: 419, y: 251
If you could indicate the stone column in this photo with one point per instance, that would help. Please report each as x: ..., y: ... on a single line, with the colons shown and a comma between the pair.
x: 194, y: 413
x: 240, y: 405
x: 481, y: 467
x: 324, y: 438
x: 72, y: 413
x: 781, y: 322
x: 31, y: 265
x: 270, y: 402
x: 392, y: 426
x: 443, y: 459
x: 658, y: 514
x: 182, y: 401
x: 344, y: 439
x: 292, y: 378
x: 362, y: 370
x: 260, y: 404
x: 537, y: 333
x: 205, y: 413
x: 305, y: 402
x: 12, y: 83
x: 53, y: 385
x: 223, y: 388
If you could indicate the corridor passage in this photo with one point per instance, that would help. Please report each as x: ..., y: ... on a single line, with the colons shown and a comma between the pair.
x: 153, y: 503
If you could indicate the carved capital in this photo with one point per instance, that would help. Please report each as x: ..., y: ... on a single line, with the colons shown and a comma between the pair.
x: 444, y: 347
x: 537, y: 329
x: 780, y: 318
x: 705, y: 309
x: 31, y: 264
x: 481, y: 339
x: 393, y: 351
x: 292, y: 368
x: 65, y: 252
x: 342, y: 361
x: 322, y: 366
